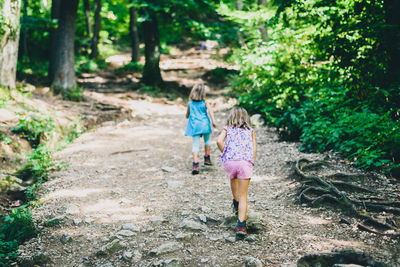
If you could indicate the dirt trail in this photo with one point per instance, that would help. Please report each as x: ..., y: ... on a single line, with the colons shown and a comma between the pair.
x: 128, y: 199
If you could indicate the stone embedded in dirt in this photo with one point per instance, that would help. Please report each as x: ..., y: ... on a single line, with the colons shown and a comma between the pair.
x: 147, y: 229
x: 125, y: 233
x: 229, y: 238
x: 183, y: 236
x: 163, y: 235
x: 347, y: 265
x: 214, y: 238
x: 192, y: 225
x: 131, y: 227
x: 168, y: 169
x: 257, y: 120
x: 251, y: 238
x: 107, y: 264
x: 127, y: 256
x: 165, y: 249
x: 110, y: 248
x: 203, y: 218
x: 172, y: 263
x: 157, y: 221
x: 65, y: 238
x: 77, y: 221
x: 212, y: 219
x: 253, y: 262
x: 89, y: 220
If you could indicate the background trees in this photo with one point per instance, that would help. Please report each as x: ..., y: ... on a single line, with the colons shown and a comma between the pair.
x: 9, y: 36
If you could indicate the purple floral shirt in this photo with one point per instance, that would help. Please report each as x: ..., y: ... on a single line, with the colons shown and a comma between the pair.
x: 238, y: 144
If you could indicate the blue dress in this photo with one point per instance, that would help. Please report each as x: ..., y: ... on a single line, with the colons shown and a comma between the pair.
x: 198, y: 123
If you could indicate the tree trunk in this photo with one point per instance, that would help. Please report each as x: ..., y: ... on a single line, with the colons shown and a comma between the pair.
x: 151, y: 71
x: 134, y: 35
x: 23, y: 35
x: 239, y: 6
x: 86, y: 6
x: 64, y: 69
x: 55, y: 15
x: 392, y: 43
x: 9, y: 40
x: 96, y: 30
x: 263, y: 28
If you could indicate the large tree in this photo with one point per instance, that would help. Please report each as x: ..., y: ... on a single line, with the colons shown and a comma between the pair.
x: 9, y: 38
x: 151, y: 71
x: 63, y: 71
x: 134, y: 34
x: 96, y: 29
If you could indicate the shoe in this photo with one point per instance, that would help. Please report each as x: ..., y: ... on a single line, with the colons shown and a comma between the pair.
x: 207, y: 160
x: 195, y: 169
x: 241, y: 232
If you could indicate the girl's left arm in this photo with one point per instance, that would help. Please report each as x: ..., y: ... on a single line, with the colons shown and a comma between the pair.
x: 221, y: 140
x: 210, y: 111
x: 254, y: 145
x: 187, y: 112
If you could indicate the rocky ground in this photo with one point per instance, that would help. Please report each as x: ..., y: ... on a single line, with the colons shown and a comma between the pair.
x: 128, y: 199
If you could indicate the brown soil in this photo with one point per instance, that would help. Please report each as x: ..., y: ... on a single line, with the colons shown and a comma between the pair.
x: 138, y: 171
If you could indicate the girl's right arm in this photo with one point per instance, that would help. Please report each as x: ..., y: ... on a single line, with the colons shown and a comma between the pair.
x: 254, y: 145
x: 221, y: 140
x: 187, y: 112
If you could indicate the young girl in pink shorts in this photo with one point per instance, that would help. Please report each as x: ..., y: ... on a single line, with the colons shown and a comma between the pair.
x: 237, y: 143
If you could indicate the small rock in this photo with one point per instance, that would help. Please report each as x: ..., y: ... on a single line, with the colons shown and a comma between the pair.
x: 147, y: 229
x: 184, y: 237
x: 214, y: 238
x: 347, y: 265
x: 185, y: 213
x: 89, y: 220
x: 250, y: 238
x: 163, y: 235
x: 168, y: 169
x: 137, y: 255
x: 192, y: 225
x: 131, y: 227
x: 212, y: 219
x: 77, y: 221
x: 203, y: 260
x: 157, y: 221
x: 126, y: 233
x: 203, y: 218
x: 174, y: 184
x: 165, y: 249
x: 252, y: 262
x: 205, y: 209
x: 230, y: 239
x: 65, y: 238
x: 110, y: 248
x: 127, y: 256
x: 172, y: 263
x: 257, y: 120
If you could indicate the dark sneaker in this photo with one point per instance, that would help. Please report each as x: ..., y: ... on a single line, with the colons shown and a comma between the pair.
x: 207, y: 160
x: 241, y: 232
x: 195, y: 169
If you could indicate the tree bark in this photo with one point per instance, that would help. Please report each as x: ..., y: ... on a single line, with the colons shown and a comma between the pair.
x: 151, y: 71
x: 86, y: 6
x: 64, y: 69
x: 9, y: 40
x: 55, y: 15
x: 134, y: 35
x: 263, y: 28
x: 96, y: 30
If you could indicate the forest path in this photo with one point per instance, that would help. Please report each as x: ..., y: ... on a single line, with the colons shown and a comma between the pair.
x: 128, y: 199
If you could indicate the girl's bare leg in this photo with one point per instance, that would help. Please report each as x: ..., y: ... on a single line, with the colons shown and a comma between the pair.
x: 195, y: 156
x: 235, y: 188
x: 243, y: 185
x: 207, y: 150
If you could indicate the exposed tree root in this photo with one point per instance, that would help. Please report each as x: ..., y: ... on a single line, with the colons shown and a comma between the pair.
x: 342, y: 190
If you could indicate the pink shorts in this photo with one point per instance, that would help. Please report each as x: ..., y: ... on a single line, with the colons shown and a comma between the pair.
x: 240, y: 169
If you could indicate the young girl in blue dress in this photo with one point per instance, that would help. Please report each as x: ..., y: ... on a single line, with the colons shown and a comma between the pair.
x: 199, y: 113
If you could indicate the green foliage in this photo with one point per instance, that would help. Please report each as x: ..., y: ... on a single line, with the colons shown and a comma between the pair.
x: 33, y: 128
x: 218, y: 75
x: 38, y: 164
x: 4, y: 138
x: 131, y: 67
x: 322, y: 76
x: 15, y: 228
x: 75, y: 94
x: 84, y: 64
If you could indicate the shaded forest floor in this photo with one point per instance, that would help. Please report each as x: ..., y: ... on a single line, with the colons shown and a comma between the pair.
x: 129, y: 199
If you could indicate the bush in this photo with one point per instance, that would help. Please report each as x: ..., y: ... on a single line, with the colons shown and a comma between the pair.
x: 39, y: 162
x: 15, y: 228
x: 131, y: 67
x: 33, y: 128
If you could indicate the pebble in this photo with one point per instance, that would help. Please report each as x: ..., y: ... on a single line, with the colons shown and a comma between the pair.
x: 130, y: 227
x: 126, y: 233
x: 253, y: 262
x: 183, y: 236
x: 203, y: 218
x: 165, y: 249
x: 192, y: 225
x: 127, y: 256
x: 250, y: 238
x: 77, y: 221
x: 65, y: 238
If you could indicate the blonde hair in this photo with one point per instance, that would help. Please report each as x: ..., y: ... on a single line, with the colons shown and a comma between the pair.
x: 198, y: 92
x: 239, y: 118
